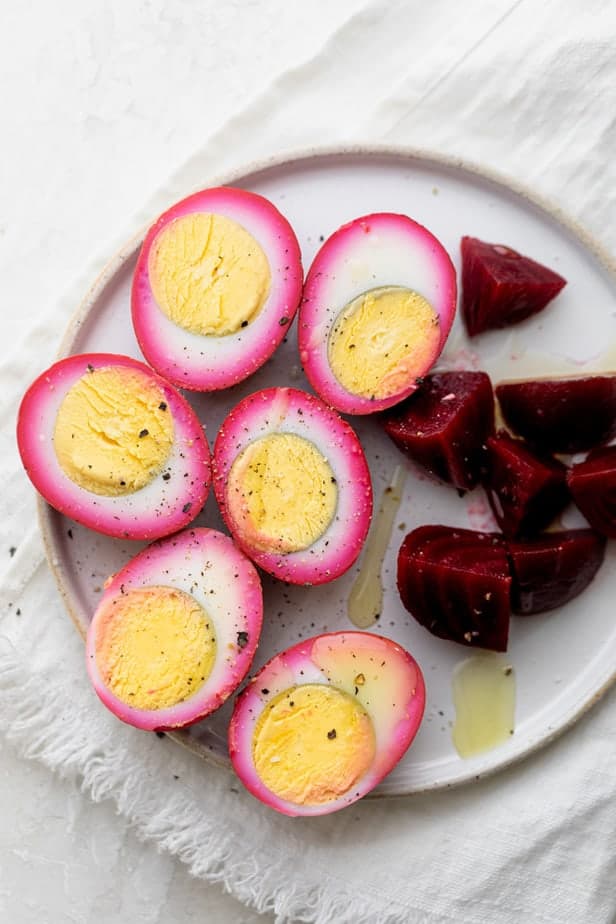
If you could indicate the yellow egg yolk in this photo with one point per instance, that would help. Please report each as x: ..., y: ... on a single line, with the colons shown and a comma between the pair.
x: 208, y: 274
x: 114, y: 431
x: 380, y: 340
x: 155, y: 647
x: 282, y: 493
x: 312, y: 744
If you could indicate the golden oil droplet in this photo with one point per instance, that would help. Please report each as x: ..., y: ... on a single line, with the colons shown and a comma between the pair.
x: 366, y: 598
x: 484, y: 698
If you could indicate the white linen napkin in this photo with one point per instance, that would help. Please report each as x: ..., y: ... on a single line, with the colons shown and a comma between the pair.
x: 529, y: 90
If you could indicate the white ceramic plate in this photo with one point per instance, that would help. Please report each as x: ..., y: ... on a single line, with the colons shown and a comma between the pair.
x: 563, y: 660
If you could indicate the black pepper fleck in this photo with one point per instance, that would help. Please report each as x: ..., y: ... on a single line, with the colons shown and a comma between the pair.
x: 143, y: 433
x: 331, y: 734
x: 242, y: 639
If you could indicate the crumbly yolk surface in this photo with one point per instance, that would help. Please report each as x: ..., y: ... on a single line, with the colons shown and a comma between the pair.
x: 282, y: 493
x: 208, y: 274
x: 381, y: 339
x: 113, y: 431
x: 312, y: 744
x: 155, y: 647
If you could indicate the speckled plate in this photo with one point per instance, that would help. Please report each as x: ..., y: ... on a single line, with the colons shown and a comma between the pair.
x: 563, y: 660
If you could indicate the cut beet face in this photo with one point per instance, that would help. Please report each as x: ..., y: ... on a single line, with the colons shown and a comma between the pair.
x: 525, y: 491
x: 561, y: 415
x: 456, y: 583
x: 445, y: 425
x: 553, y: 569
x: 501, y: 287
x: 593, y: 487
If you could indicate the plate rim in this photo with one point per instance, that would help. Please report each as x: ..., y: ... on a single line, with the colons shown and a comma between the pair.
x: 294, y: 158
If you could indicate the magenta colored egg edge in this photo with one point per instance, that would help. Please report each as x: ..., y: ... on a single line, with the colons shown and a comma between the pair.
x: 295, y: 568
x: 315, y: 362
x: 46, y: 483
x: 249, y: 703
x: 144, y: 311
x: 198, y: 706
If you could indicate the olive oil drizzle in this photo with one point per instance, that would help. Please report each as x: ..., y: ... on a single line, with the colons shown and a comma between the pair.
x: 484, y: 698
x: 366, y: 597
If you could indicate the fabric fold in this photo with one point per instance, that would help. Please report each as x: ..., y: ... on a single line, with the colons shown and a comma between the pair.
x: 535, y: 843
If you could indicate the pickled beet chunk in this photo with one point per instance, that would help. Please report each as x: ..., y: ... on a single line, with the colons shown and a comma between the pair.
x: 501, y: 287
x: 561, y: 415
x: 525, y: 491
x: 553, y: 569
x: 444, y: 425
x: 456, y: 583
x: 593, y: 487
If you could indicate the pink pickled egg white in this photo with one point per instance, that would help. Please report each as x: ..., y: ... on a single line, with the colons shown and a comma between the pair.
x: 167, y: 503
x: 210, y: 363
x: 380, y: 675
x: 379, y: 250
x: 206, y: 565
x: 289, y: 410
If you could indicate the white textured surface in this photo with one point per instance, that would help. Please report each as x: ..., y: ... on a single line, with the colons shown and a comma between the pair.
x: 64, y: 858
x: 100, y: 103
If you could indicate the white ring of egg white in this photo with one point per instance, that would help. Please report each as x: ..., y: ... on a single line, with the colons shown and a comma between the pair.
x: 314, y: 425
x: 379, y: 260
x: 159, y: 499
x: 186, y: 356
x: 206, y: 565
x: 278, y: 676
x: 351, y: 263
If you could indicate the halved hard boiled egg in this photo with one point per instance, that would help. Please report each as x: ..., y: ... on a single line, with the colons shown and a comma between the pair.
x: 323, y: 722
x: 114, y: 446
x: 293, y: 485
x: 379, y: 302
x: 175, y: 631
x: 217, y: 283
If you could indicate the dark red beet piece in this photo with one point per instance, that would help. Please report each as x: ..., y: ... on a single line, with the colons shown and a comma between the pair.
x: 456, y: 583
x: 445, y: 424
x: 553, y: 569
x: 593, y: 487
x: 525, y: 491
x: 501, y: 287
x: 561, y: 415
